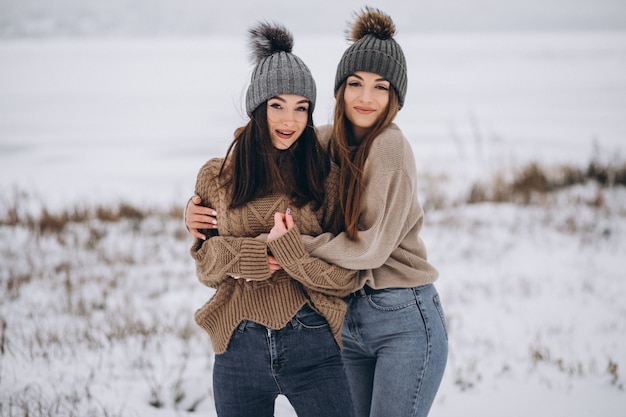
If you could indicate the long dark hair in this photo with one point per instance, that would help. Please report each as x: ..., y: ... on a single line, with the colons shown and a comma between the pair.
x: 250, y: 168
x: 350, y: 155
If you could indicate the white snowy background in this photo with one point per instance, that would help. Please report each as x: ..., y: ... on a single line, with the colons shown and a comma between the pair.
x: 111, y: 105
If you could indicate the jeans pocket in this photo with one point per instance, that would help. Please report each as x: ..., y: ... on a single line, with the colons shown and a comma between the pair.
x: 442, y: 316
x: 392, y: 299
x: 307, y: 318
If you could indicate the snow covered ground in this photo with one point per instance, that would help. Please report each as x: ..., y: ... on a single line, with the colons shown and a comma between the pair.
x: 97, y: 319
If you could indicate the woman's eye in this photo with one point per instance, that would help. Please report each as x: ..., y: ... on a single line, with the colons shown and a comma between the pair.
x: 275, y: 105
x: 383, y: 87
x: 354, y: 84
x: 303, y: 108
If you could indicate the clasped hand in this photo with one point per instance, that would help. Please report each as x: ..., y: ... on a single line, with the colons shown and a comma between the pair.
x: 282, y: 224
x: 198, y: 217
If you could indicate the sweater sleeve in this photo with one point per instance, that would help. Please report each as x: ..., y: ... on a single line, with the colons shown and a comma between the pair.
x: 219, y: 257
x: 311, y: 272
x: 388, y: 210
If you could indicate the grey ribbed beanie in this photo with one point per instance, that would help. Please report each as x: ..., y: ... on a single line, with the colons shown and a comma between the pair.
x: 374, y: 50
x: 277, y: 70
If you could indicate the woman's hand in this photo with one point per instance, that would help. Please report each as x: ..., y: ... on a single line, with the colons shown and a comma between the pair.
x: 282, y: 223
x: 198, y: 217
x: 273, y: 264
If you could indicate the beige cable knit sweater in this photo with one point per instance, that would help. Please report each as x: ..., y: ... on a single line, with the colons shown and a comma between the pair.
x: 270, y: 300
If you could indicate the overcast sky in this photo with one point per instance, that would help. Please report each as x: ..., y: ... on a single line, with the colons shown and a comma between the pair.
x: 41, y: 18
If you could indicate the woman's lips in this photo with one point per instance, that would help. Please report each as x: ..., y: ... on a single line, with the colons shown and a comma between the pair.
x: 285, y: 134
x: 364, y: 110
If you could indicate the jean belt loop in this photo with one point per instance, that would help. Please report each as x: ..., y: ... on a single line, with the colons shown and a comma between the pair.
x: 242, y: 326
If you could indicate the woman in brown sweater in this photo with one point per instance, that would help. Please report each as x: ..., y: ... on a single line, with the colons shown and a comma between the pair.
x: 274, y: 329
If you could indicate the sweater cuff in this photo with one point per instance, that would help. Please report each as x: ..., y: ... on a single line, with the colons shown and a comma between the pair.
x: 288, y: 248
x: 196, y: 249
x: 253, y: 260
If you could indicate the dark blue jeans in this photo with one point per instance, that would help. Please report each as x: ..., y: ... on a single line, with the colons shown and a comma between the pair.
x: 395, y: 350
x: 301, y: 361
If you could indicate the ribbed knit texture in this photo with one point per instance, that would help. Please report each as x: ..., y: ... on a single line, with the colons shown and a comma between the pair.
x: 270, y: 300
x: 379, y: 56
x: 280, y: 73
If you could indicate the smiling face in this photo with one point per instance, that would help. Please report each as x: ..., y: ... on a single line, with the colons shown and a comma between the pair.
x: 287, y: 117
x: 366, y: 98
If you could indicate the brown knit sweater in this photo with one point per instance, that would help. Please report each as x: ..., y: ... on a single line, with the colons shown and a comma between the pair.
x: 270, y: 300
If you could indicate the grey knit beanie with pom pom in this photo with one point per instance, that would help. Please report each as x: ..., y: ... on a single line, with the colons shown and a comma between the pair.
x: 277, y: 70
x: 374, y: 50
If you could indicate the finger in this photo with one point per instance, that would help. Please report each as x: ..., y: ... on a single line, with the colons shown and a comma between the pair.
x: 201, y: 220
x: 192, y: 210
x: 197, y: 234
x: 193, y: 229
x: 194, y: 207
x: 273, y: 264
x: 278, y: 218
x: 195, y: 210
x: 288, y: 219
x: 273, y: 270
x: 196, y: 226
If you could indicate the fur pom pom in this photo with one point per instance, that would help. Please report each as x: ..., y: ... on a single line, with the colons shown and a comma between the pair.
x: 267, y: 39
x: 371, y: 21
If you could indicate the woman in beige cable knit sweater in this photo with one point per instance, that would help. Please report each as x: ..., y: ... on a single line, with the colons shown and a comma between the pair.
x: 274, y: 329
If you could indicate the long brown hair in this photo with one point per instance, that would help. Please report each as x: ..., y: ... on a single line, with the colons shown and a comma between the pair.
x: 351, y: 155
x: 250, y: 168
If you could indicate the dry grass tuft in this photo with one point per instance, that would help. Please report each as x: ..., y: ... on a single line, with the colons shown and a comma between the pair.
x: 531, y: 183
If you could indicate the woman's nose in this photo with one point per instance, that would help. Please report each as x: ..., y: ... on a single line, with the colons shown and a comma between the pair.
x: 366, y: 95
x: 287, y: 117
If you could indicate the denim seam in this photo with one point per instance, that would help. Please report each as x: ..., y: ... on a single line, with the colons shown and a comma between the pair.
x: 273, y: 352
x: 437, y: 303
x: 421, y: 309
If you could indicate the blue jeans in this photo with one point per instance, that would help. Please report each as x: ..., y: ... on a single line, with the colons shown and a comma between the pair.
x: 395, y: 350
x: 301, y: 361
